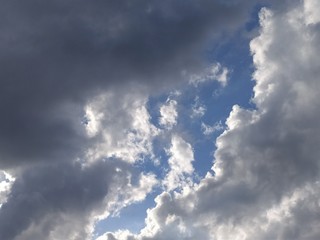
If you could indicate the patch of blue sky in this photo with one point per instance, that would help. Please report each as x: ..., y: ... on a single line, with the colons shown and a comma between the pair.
x: 253, y: 23
x: 159, y: 165
x: 235, y: 55
x: 131, y: 217
x: 217, y: 100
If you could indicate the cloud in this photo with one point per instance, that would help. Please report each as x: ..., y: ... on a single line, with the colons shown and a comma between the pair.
x: 6, y: 181
x: 265, y: 179
x: 49, y: 198
x: 169, y: 114
x: 134, y: 191
x: 57, y: 56
x: 56, y: 135
x: 65, y: 200
x: 207, y: 129
x: 198, y: 109
x: 310, y: 11
x: 213, y: 73
x: 75, y: 82
x: 180, y: 164
x: 124, y: 131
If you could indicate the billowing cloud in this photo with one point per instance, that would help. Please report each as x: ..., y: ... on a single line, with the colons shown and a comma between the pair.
x: 124, y: 131
x: 265, y: 179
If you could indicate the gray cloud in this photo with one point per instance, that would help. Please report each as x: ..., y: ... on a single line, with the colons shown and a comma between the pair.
x: 54, y: 56
x: 52, y: 190
x: 55, y: 201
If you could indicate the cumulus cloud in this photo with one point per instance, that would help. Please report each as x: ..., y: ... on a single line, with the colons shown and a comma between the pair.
x: 180, y: 164
x: 169, y: 114
x: 265, y: 179
x: 124, y: 131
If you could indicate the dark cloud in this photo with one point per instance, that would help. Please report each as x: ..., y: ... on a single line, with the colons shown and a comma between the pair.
x: 55, y: 55
x: 49, y: 196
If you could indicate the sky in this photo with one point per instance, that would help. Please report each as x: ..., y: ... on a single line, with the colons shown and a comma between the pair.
x: 160, y: 120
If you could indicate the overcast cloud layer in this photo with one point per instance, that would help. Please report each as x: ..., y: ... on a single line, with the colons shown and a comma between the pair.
x: 76, y: 130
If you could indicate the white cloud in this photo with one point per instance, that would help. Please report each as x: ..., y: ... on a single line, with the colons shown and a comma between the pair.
x: 215, y: 72
x: 120, y: 234
x: 207, y: 129
x: 125, y: 130
x: 311, y: 11
x: 169, y: 114
x: 125, y: 195
x: 180, y: 164
x: 93, y: 120
x: 6, y: 181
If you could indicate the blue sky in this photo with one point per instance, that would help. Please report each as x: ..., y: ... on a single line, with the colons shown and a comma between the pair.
x: 159, y: 120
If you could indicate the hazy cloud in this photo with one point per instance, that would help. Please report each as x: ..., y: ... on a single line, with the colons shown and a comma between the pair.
x: 207, y: 129
x: 216, y: 72
x: 198, y: 109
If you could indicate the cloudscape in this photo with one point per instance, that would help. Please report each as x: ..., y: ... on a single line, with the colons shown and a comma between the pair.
x: 160, y: 120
